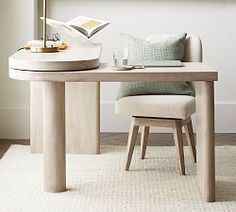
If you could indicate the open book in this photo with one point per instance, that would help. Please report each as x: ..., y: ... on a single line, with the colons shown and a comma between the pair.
x: 80, y: 25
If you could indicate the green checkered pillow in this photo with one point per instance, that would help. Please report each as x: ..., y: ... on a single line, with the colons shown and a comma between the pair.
x: 166, y: 47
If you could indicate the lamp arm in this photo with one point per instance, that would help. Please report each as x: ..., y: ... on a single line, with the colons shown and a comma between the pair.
x: 44, y: 48
x: 44, y: 23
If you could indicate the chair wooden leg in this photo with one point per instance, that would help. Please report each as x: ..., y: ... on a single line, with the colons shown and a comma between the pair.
x: 179, y: 145
x: 133, y: 132
x: 144, y: 138
x: 190, y: 139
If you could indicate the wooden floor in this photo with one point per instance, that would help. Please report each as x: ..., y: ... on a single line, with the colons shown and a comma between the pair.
x: 121, y: 139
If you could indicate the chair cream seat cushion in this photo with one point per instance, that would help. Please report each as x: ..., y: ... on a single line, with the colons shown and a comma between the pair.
x: 161, y: 106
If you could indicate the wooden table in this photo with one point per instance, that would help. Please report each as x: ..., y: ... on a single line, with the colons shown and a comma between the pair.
x: 200, y: 74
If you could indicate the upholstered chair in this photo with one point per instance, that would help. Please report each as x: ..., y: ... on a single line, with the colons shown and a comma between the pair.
x: 172, y: 111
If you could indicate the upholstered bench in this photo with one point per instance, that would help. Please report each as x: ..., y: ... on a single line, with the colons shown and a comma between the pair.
x: 160, y: 111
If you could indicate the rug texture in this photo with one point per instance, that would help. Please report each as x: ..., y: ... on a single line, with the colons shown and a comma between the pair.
x: 98, y: 183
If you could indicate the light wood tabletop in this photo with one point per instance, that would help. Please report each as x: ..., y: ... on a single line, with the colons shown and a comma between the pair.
x: 105, y: 73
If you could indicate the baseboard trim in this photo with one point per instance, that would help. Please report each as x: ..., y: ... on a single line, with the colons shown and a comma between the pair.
x: 154, y: 139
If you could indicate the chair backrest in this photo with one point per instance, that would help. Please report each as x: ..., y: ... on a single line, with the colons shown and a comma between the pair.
x: 193, y: 49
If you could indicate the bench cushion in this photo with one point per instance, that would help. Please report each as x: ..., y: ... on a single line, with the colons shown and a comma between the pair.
x: 161, y: 106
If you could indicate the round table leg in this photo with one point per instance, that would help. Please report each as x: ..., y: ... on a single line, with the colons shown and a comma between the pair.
x: 54, y: 136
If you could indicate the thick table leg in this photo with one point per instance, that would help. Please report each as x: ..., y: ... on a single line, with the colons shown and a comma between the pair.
x: 205, y: 139
x: 82, y: 117
x: 36, y: 117
x: 54, y: 136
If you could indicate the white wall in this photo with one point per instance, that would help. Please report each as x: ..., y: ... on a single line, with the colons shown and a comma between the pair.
x: 213, y: 21
x: 17, y: 27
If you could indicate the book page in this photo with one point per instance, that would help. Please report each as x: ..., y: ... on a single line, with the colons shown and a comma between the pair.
x: 64, y: 28
x: 89, y: 24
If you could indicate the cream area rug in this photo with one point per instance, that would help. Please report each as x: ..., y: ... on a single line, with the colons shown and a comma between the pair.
x: 98, y: 183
